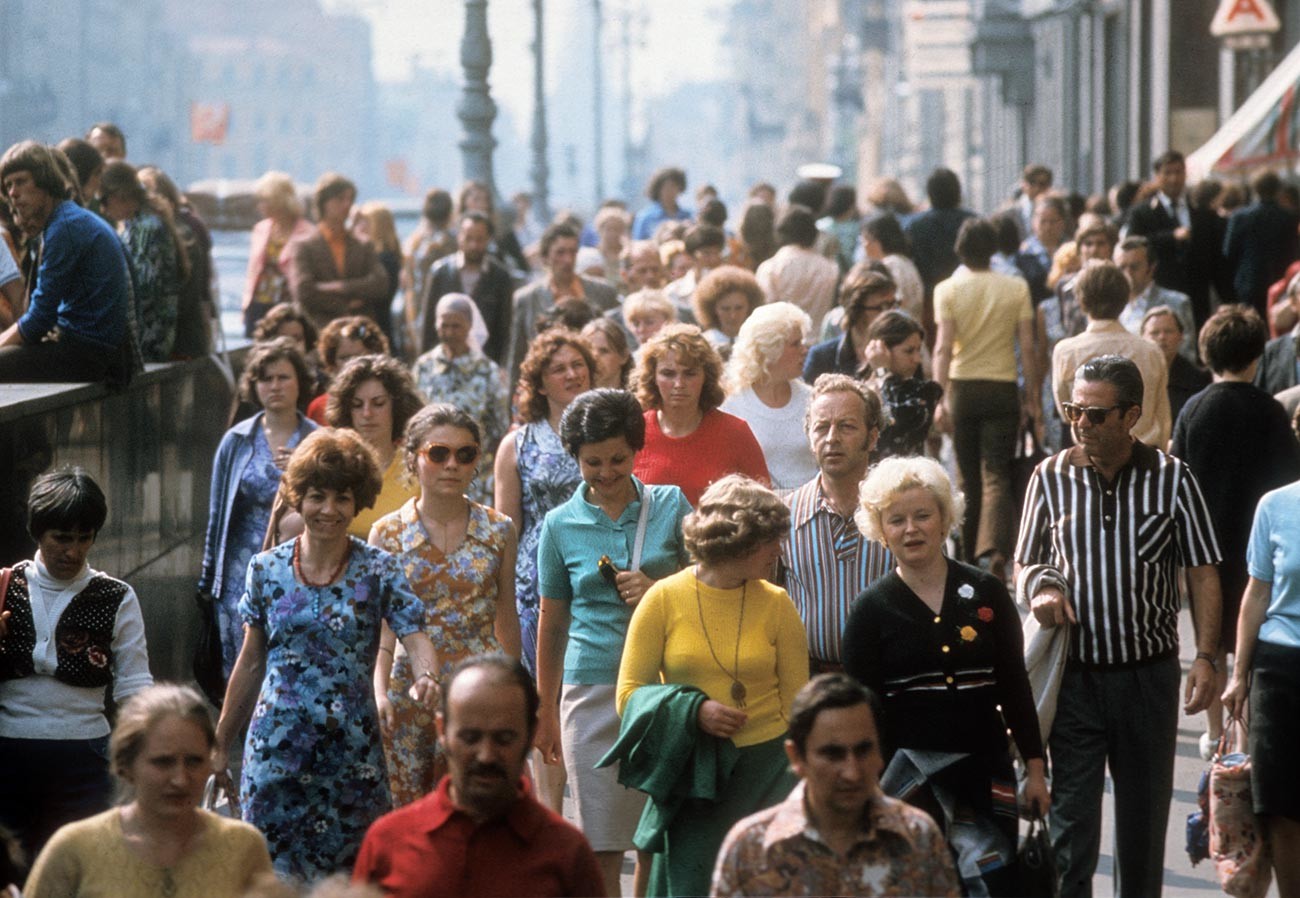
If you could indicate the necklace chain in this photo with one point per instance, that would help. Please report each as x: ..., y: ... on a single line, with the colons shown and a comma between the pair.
x: 737, y: 687
x: 297, y: 565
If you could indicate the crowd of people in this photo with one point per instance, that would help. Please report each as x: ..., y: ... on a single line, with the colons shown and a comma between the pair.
x: 724, y: 527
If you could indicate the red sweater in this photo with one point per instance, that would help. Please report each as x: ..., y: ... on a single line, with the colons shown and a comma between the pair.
x: 723, y: 444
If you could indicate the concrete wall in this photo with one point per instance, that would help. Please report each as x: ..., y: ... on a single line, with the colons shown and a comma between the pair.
x: 151, y: 448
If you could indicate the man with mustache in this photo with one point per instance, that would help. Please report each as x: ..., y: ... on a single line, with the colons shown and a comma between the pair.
x: 481, y: 832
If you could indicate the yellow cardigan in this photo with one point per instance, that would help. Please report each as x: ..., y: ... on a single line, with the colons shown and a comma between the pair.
x: 665, y: 643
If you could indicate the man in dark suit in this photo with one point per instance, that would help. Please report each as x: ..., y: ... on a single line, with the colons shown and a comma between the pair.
x: 472, y: 271
x: 1261, y: 242
x: 934, y: 235
x: 334, y: 274
x: 1178, y: 234
x: 1277, y: 369
x: 559, y: 247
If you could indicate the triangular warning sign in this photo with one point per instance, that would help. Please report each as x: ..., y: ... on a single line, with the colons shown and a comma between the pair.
x: 1244, y: 17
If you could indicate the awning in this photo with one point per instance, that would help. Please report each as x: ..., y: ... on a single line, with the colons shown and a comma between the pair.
x: 1264, y: 131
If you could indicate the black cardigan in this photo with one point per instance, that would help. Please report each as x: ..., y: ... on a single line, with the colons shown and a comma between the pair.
x: 945, y: 700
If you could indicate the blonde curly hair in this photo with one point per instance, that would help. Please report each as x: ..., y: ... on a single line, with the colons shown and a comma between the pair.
x: 735, y: 516
x: 761, y: 341
x: 892, y: 476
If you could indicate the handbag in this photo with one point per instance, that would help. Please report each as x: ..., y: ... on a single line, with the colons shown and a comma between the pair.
x: 209, y: 670
x: 1036, y: 862
x: 1239, y: 853
x: 1027, y: 456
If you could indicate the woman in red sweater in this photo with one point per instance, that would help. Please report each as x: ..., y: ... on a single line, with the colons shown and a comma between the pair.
x: 689, y: 442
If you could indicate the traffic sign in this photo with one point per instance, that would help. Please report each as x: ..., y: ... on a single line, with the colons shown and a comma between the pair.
x: 1237, y: 17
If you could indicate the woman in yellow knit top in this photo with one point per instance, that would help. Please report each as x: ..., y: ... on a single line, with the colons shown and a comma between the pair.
x: 722, y: 628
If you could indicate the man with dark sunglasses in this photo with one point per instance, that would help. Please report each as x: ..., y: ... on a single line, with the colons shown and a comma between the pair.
x: 1106, y: 525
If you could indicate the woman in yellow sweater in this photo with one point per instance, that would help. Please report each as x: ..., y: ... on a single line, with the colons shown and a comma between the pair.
x: 722, y: 628
x: 160, y: 843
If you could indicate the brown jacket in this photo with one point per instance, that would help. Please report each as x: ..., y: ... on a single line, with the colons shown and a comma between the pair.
x: 364, y: 279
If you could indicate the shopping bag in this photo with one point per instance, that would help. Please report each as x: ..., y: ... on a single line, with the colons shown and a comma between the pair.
x: 1237, y: 846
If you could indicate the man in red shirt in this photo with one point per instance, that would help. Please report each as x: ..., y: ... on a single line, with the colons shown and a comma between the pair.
x: 481, y: 832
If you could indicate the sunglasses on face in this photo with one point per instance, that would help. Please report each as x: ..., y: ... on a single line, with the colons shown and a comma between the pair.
x: 438, y: 454
x: 1096, y: 414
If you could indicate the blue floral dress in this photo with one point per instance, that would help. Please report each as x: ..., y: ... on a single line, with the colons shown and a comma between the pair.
x: 249, y: 517
x: 548, y: 476
x: 314, y: 777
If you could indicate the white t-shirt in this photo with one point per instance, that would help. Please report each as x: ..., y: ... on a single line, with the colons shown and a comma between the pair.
x: 780, y: 433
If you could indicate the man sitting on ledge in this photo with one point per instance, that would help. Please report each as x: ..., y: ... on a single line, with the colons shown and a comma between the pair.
x: 76, y: 327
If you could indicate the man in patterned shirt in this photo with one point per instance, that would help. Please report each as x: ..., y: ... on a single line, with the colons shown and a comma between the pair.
x: 837, y: 833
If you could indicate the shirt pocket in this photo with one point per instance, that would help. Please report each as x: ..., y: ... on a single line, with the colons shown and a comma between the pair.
x: 1154, y: 534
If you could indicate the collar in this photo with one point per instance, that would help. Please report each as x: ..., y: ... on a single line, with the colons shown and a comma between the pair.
x: 1169, y: 202
x: 413, y: 534
x: 330, y: 233
x: 46, y: 580
x: 1144, y: 457
x: 461, y: 264
x: 1105, y: 326
x: 1143, y: 299
x: 444, y: 358
x: 598, y: 516
x: 808, y: 501
x: 880, y: 814
x: 525, y: 817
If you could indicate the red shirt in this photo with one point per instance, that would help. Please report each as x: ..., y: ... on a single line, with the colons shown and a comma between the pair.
x: 316, y: 409
x: 723, y: 444
x: 431, y: 849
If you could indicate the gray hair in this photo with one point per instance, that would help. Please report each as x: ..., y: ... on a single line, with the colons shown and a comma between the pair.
x: 458, y: 303
x: 1120, y: 372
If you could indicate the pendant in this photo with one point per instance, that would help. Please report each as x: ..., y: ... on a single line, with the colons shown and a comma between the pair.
x: 738, y: 693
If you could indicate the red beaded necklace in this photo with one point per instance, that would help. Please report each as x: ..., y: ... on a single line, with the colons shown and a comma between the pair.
x: 297, y: 564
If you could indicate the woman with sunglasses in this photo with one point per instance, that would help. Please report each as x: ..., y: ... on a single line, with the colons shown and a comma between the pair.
x: 599, y: 553
x: 459, y: 557
x: 866, y: 294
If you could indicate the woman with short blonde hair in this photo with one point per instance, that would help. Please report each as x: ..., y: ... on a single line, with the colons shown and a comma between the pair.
x: 765, y: 388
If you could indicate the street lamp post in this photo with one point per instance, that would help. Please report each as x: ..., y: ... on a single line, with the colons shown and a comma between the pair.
x: 476, y: 109
x: 540, y: 171
x: 598, y: 99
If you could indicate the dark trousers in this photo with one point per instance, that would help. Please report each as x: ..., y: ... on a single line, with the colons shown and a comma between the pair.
x: 1128, y: 719
x: 67, y: 360
x: 45, y: 783
x: 985, y: 420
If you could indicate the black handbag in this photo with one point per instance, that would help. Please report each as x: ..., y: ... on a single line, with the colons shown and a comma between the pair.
x: 1027, y: 456
x: 1037, y: 862
x: 208, y: 672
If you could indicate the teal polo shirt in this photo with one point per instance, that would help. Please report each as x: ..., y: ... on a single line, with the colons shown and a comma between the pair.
x: 574, y: 536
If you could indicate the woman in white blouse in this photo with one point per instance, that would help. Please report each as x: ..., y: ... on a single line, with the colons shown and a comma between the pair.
x: 67, y: 633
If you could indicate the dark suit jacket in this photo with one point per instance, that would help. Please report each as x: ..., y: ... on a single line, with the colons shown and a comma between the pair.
x: 1261, y: 242
x: 835, y: 356
x: 365, y: 287
x: 492, y: 295
x: 1152, y: 221
x: 1276, y: 370
x: 934, y: 234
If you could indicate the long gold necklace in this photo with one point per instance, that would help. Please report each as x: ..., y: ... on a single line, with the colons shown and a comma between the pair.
x: 737, y: 687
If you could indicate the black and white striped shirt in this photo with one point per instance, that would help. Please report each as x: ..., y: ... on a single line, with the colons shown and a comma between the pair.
x: 1119, y: 547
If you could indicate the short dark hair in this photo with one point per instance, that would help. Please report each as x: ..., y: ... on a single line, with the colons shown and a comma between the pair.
x: 1165, y: 158
x: 121, y: 179
x: 1120, y: 372
x: 1102, y: 290
x: 507, y: 669
x: 437, y: 414
x: 66, y: 499
x: 1234, y: 337
x: 84, y: 158
x: 705, y: 236
x: 277, y: 317
x: 714, y: 212
x: 894, y: 327
x: 437, y: 206
x: 330, y: 185
x: 473, y: 216
x: 599, y: 415
x: 111, y: 130
x: 267, y: 353
x: 843, y: 198
x: 38, y: 161
x: 886, y: 229
x: 553, y: 233
x: 798, y: 226
x: 662, y: 177
x: 977, y: 241
x: 1133, y: 244
x: 943, y: 188
x: 808, y: 193
x: 1036, y: 171
x: 1266, y: 185
x: 827, y: 692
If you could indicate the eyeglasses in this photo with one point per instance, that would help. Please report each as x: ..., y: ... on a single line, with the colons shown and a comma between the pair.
x: 1096, y: 414
x: 438, y: 454
x: 882, y: 307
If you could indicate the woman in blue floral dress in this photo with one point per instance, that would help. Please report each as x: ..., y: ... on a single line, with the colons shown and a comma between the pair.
x: 158, y: 264
x: 457, y: 372
x: 459, y: 557
x: 314, y: 777
x: 533, y: 472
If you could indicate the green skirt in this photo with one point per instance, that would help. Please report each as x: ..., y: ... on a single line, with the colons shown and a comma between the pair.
x: 761, y: 778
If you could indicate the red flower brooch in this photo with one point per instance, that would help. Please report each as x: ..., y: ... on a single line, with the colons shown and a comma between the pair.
x: 985, y: 614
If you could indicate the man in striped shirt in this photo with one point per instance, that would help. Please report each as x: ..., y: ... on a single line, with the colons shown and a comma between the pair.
x: 1107, y: 523
x: 827, y: 561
